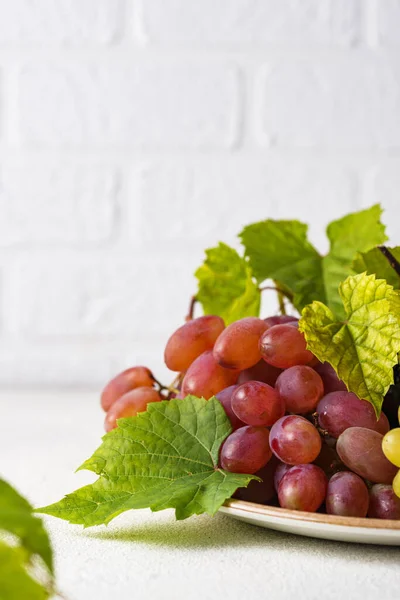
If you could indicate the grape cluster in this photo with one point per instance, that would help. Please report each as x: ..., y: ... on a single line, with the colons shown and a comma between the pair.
x: 314, y: 445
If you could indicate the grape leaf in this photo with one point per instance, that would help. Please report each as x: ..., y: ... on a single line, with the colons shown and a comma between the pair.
x: 226, y: 286
x: 166, y: 457
x: 280, y: 250
x: 363, y: 347
x: 17, y: 577
x: 374, y: 262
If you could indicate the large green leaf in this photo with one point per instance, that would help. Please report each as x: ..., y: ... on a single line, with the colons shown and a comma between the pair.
x: 280, y: 250
x: 15, y: 581
x: 363, y: 347
x: 226, y: 285
x: 166, y: 457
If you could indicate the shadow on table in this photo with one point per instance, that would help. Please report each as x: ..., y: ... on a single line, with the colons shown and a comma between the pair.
x: 220, y: 531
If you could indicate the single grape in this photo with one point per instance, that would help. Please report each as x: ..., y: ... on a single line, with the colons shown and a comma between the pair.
x: 261, y: 371
x: 279, y: 320
x: 294, y: 440
x: 225, y: 397
x: 383, y: 502
x: 331, y: 381
x: 303, y: 487
x: 246, y: 450
x: 280, y: 471
x: 283, y: 346
x: 391, y: 446
x: 361, y: 451
x: 237, y: 346
x: 130, y: 404
x: 192, y: 339
x: 339, y: 410
x: 257, y: 403
x: 396, y: 484
x: 205, y: 377
x: 300, y: 388
x: 124, y: 382
x: 263, y: 491
x: 347, y: 495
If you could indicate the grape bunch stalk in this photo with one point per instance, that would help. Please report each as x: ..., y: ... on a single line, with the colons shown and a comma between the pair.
x: 314, y: 445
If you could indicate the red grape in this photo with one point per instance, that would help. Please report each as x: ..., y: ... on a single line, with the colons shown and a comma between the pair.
x: 205, y: 377
x: 261, y: 371
x: 130, y: 404
x: 284, y: 346
x: 302, y: 488
x: 361, y: 451
x: 294, y: 440
x: 382, y: 426
x: 246, y: 450
x: 225, y: 397
x: 279, y: 320
x: 383, y: 503
x: 339, y: 410
x: 237, y: 346
x: 124, y: 382
x: 191, y: 340
x: 280, y: 471
x: 347, y: 495
x: 257, y: 403
x: 331, y: 381
x: 263, y: 491
x: 301, y: 388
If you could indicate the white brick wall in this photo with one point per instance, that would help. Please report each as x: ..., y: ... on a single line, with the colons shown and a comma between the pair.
x: 135, y: 133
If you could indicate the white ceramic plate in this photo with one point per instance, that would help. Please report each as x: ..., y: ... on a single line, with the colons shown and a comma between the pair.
x: 329, y: 527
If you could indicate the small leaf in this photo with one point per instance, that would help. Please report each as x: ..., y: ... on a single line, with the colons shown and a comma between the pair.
x: 15, y: 581
x: 226, y: 286
x: 373, y: 262
x: 363, y: 347
x: 166, y: 457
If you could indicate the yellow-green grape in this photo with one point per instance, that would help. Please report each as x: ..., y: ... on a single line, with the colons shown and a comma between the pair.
x: 396, y: 484
x: 391, y: 446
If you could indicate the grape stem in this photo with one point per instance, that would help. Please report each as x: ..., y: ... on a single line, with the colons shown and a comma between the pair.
x: 193, y: 302
x: 282, y: 294
x: 392, y: 261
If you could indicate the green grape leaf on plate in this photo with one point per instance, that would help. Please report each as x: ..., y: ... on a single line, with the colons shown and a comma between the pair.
x: 166, y: 457
x: 363, y: 346
x: 30, y: 552
x: 226, y: 285
x: 280, y: 250
x: 375, y: 262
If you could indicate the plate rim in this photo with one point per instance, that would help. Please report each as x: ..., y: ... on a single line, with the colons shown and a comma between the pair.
x: 310, y: 517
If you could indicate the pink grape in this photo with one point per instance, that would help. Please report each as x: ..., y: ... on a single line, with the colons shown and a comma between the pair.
x: 300, y: 388
x: 192, y: 339
x: 246, y: 450
x: 205, y: 377
x: 347, y: 495
x: 294, y: 440
x: 283, y: 346
x: 361, y: 451
x: 303, y: 487
x: 339, y: 410
x: 257, y: 403
x: 225, y: 397
x: 280, y: 471
x: 383, y: 503
x: 331, y: 381
x: 124, y: 382
x: 279, y: 320
x: 382, y: 426
x: 263, y: 491
x: 237, y: 346
x: 130, y: 404
x: 261, y: 371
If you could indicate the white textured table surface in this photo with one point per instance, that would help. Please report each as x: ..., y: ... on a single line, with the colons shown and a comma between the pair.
x: 44, y: 437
